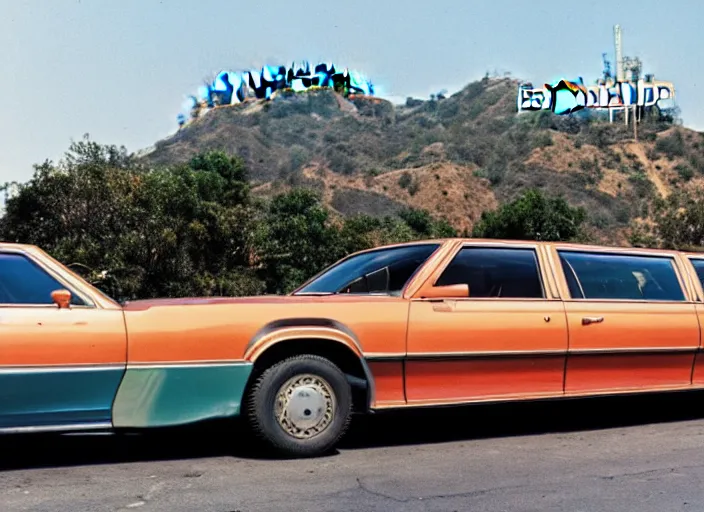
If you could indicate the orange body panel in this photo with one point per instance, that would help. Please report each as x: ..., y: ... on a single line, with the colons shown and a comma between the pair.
x: 51, y: 336
x: 484, y: 378
x: 625, y: 372
x: 389, y: 381
x: 698, y: 372
x: 626, y: 335
x: 493, y: 339
x: 227, y: 329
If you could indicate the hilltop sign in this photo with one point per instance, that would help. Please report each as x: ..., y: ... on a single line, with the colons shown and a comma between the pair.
x: 565, y: 97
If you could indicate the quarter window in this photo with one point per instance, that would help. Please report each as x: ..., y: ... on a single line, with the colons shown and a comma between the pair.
x: 495, y: 272
x: 24, y: 282
x: 699, y: 269
x: 620, y: 276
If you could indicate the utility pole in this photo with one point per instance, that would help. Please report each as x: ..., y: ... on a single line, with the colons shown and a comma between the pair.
x: 635, y: 123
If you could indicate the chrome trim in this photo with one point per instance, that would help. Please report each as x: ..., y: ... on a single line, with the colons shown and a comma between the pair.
x: 485, y: 243
x: 185, y: 364
x: 380, y: 356
x: 59, y: 368
x: 655, y: 253
x: 485, y: 353
x: 56, y: 428
x: 539, y: 397
x: 19, y: 369
x: 632, y: 301
x: 631, y: 350
x: 42, y: 306
x: 478, y: 299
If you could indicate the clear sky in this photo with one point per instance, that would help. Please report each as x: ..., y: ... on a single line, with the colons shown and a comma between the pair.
x: 120, y: 69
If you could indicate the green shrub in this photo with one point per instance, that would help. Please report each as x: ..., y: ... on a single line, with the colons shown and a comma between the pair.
x: 405, y: 180
x: 684, y: 172
x: 671, y: 146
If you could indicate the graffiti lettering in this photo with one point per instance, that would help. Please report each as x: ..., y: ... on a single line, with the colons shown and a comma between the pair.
x: 566, y: 96
x: 230, y: 88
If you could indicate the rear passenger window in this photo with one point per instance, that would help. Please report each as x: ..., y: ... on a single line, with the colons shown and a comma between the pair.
x: 699, y: 269
x: 620, y: 276
x: 492, y: 272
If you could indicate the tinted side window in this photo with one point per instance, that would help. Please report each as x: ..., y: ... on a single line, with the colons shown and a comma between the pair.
x: 24, y: 282
x: 379, y: 271
x: 699, y: 269
x: 620, y: 276
x: 490, y: 272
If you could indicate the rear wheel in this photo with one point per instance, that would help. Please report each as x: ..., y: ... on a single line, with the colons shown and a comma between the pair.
x: 301, y: 406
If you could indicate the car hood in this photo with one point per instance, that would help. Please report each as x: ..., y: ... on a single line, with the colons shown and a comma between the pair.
x: 202, y: 301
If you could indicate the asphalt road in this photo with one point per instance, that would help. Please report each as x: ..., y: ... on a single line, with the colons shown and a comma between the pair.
x: 642, y: 454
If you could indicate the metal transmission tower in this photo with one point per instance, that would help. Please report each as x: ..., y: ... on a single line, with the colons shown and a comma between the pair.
x: 619, y: 54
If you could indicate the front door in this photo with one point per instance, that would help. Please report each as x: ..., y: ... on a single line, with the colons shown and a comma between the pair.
x: 58, y: 367
x: 508, y: 339
x: 632, y: 324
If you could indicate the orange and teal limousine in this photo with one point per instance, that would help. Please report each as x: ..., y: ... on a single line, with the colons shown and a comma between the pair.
x: 428, y: 323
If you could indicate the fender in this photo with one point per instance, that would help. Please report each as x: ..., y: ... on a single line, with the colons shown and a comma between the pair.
x: 309, y: 328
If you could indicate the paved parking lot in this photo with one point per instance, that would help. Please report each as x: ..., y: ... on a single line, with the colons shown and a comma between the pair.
x: 644, y: 454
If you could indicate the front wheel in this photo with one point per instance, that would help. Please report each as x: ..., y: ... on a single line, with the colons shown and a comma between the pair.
x: 301, y: 406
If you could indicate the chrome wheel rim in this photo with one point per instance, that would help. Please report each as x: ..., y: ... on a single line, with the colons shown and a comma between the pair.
x: 305, y: 406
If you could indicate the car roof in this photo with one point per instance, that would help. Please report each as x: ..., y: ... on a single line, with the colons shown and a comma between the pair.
x: 22, y: 247
x: 500, y: 241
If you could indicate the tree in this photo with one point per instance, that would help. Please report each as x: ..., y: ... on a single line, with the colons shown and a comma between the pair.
x: 532, y: 216
x: 136, y: 232
x: 295, y: 240
x: 679, y: 222
x: 425, y: 226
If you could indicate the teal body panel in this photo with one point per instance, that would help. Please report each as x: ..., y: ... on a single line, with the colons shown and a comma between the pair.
x: 39, y: 397
x: 179, y: 394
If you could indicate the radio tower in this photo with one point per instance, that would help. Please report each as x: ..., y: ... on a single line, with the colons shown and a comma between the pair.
x: 619, y: 54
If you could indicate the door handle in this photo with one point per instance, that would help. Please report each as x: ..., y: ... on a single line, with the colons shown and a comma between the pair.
x: 592, y: 320
x: 445, y: 306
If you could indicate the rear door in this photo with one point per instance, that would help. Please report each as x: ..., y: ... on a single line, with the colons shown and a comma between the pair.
x: 696, y: 271
x: 507, y: 339
x: 59, y: 368
x: 632, y: 320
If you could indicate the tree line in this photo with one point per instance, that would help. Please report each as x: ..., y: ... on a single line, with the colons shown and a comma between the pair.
x: 196, y: 229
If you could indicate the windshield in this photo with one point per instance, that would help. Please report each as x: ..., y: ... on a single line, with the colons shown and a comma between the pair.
x: 384, y: 271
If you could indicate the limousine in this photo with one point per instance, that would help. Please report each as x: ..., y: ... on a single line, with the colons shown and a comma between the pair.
x: 428, y: 323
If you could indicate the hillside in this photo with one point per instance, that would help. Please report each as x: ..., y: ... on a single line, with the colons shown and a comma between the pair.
x: 455, y: 157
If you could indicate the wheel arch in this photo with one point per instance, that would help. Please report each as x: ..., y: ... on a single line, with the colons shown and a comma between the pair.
x: 325, y: 338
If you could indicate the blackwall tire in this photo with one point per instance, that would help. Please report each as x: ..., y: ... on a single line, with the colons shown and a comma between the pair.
x: 300, y: 406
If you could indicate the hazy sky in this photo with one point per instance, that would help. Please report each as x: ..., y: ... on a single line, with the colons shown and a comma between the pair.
x: 120, y: 69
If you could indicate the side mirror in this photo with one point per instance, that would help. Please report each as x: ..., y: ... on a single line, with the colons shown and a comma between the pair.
x: 452, y: 291
x: 62, y: 298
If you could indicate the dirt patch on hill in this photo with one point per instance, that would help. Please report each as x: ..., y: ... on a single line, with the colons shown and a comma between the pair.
x: 562, y: 155
x: 653, y: 174
x: 446, y: 190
